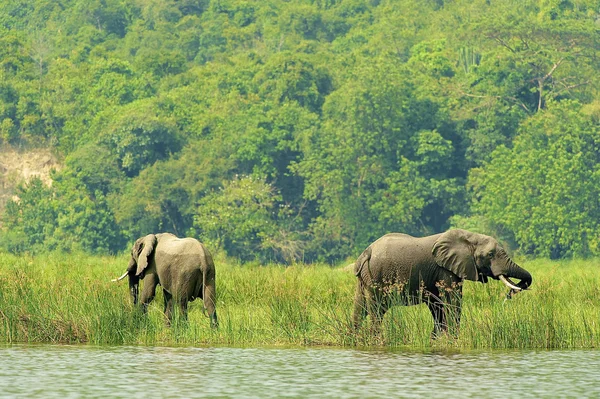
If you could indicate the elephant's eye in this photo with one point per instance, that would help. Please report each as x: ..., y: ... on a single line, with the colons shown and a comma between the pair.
x: 491, y: 254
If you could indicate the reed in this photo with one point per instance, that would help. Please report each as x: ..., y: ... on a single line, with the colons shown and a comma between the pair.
x: 71, y: 299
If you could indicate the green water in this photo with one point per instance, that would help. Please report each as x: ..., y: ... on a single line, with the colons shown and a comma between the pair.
x: 142, y: 372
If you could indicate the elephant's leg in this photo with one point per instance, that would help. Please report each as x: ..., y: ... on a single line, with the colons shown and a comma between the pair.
x: 376, y: 307
x: 453, y: 308
x: 377, y: 320
x: 183, y: 308
x: 168, y: 306
x: 134, y: 288
x: 149, y: 291
x: 440, y: 326
x: 456, y: 312
x: 360, y: 306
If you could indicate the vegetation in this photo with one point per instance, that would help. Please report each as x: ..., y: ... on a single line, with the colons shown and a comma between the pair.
x: 285, y: 131
x: 72, y: 300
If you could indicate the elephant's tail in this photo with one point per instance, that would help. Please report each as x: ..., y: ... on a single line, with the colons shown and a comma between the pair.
x: 363, y: 259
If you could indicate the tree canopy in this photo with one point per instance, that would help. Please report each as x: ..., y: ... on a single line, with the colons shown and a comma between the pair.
x: 303, y: 130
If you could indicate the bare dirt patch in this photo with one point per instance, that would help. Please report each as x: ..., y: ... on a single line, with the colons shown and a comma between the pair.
x: 17, y: 166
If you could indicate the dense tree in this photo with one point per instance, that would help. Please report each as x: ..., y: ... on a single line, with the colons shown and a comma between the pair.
x: 517, y: 56
x: 545, y: 190
x: 379, y: 160
x: 285, y: 130
x: 30, y: 220
x: 240, y: 217
x: 84, y: 220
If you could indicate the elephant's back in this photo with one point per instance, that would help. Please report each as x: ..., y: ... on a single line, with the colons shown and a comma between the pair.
x: 179, y: 246
x: 182, y: 261
x: 393, y: 242
x: 179, y: 257
x: 403, y: 249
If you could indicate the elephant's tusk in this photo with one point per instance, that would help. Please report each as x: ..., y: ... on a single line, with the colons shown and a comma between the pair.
x: 120, y: 278
x: 509, y: 284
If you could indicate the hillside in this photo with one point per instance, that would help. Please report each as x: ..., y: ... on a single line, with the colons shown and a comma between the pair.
x: 287, y: 130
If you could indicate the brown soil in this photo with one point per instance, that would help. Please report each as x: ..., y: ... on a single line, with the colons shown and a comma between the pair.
x: 17, y: 166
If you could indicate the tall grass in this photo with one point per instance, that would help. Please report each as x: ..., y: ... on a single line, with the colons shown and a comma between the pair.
x: 70, y: 299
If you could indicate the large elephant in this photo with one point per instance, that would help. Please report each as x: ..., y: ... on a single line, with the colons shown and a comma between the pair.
x: 182, y: 266
x: 401, y: 269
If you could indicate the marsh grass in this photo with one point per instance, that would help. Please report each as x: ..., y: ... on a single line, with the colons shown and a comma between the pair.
x: 70, y: 299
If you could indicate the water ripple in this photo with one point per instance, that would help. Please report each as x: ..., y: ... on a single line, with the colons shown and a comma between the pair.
x: 140, y: 372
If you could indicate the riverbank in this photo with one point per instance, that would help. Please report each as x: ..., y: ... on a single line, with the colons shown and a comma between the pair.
x: 71, y: 299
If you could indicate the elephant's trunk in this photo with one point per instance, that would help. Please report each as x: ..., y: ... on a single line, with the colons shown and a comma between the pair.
x: 133, y: 280
x: 505, y: 267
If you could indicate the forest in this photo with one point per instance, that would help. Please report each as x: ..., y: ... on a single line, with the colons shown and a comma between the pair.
x: 302, y: 130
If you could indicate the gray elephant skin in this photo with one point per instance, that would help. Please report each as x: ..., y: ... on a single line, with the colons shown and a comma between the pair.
x: 182, y: 266
x: 405, y: 270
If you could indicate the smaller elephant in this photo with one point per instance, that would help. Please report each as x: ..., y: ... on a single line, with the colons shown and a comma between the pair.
x: 182, y: 266
x: 406, y: 270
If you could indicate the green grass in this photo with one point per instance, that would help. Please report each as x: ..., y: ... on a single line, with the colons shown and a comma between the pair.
x: 71, y: 299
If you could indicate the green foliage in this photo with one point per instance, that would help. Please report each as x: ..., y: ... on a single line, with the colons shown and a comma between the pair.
x: 553, y: 176
x: 84, y: 220
x: 379, y: 160
x: 138, y: 137
x: 95, y: 167
x: 64, y: 217
x: 520, y: 60
x: 163, y: 197
x: 351, y: 118
x: 31, y: 217
x: 239, y: 217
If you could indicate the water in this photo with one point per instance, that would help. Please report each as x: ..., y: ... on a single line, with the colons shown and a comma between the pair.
x: 157, y: 372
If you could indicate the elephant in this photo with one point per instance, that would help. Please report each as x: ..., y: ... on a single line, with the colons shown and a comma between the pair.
x: 182, y: 266
x: 401, y: 269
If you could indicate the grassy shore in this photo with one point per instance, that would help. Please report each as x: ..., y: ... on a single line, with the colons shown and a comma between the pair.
x: 71, y: 299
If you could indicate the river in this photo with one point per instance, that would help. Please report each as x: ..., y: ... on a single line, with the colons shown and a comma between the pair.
x: 59, y: 371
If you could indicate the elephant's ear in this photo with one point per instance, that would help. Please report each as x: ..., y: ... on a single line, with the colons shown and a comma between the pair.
x: 148, y: 242
x: 454, y: 251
